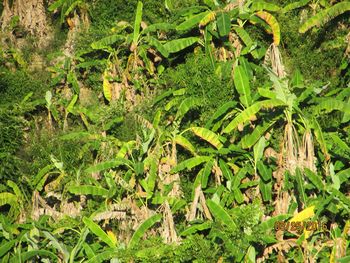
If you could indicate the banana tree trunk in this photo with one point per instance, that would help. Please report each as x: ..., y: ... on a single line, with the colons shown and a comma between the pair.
x: 31, y: 16
x: 6, y: 15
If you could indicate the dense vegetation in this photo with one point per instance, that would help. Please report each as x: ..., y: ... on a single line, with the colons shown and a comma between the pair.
x: 174, y: 131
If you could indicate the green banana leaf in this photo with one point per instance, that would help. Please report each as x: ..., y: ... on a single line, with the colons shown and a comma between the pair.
x: 107, y: 41
x: 88, y: 190
x: 179, y: 44
x: 249, y: 112
x: 190, y: 163
x: 221, y: 215
x: 325, y: 16
x: 208, y: 136
x: 97, y: 230
x: 224, y: 24
x: 137, y: 22
x: 180, y: 140
x: 141, y: 230
x: 295, y: 5
x: 185, y: 106
x: 242, y: 85
x: 191, y: 22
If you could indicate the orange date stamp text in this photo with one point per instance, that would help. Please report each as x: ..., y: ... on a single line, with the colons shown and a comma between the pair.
x: 298, y: 227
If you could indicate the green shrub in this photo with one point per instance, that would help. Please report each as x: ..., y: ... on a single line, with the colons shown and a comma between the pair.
x: 11, y: 140
x: 198, y: 77
x: 307, y: 52
x: 43, y: 145
x: 104, y: 14
x: 14, y: 86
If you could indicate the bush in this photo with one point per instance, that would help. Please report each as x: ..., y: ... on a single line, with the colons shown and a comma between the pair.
x: 11, y: 140
x: 308, y: 51
x: 14, y: 86
x: 200, y: 80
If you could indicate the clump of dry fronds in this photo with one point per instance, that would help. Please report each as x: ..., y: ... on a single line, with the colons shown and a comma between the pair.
x: 280, y: 247
x: 273, y: 59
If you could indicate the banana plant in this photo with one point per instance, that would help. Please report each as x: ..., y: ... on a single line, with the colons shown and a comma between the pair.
x: 295, y: 5
x: 67, y: 7
x: 250, y: 126
x: 144, y: 51
x: 140, y: 162
x: 33, y: 241
x: 51, y: 109
x: 24, y: 242
x: 253, y: 139
x: 215, y: 159
x: 281, y: 97
x: 216, y: 23
x: 95, y: 190
x: 220, y: 21
x: 140, y: 43
x: 227, y: 227
x: 115, y: 249
x: 325, y: 15
x: 41, y: 178
x: 143, y: 41
x: 63, y: 73
x: 69, y: 109
x: 328, y: 13
x: 16, y: 199
x: 218, y: 161
x: 133, y: 159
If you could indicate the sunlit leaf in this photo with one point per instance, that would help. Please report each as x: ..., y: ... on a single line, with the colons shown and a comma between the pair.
x: 191, y: 22
x: 179, y: 44
x: 208, y: 135
x: 295, y: 5
x: 107, y: 87
x: 190, y: 163
x: 141, y: 230
x: 224, y: 24
x: 242, y: 85
x: 307, y: 213
x: 186, y: 105
x: 325, y: 16
x: 249, y: 112
x: 88, y: 190
x: 180, y: 140
x: 272, y: 22
x: 260, y: 5
x: 221, y: 215
x: 97, y: 230
x: 137, y: 22
x: 107, y: 41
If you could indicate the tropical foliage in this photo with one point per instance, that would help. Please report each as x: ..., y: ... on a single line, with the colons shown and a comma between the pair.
x: 205, y: 131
